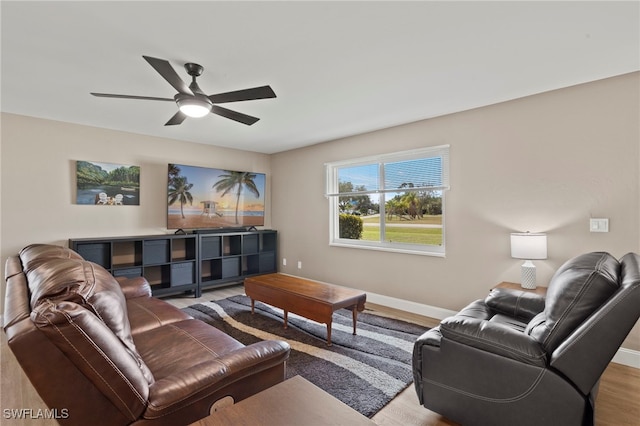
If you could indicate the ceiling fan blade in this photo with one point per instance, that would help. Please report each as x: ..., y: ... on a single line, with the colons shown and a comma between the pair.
x: 178, y: 118
x: 262, y: 92
x: 146, y: 98
x: 233, y: 115
x: 165, y: 69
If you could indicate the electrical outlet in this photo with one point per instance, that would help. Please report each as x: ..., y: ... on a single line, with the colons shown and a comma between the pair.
x: 284, y: 261
x: 299, y: 264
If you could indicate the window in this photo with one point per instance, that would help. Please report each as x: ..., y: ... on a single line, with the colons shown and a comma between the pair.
x: 391, y: 202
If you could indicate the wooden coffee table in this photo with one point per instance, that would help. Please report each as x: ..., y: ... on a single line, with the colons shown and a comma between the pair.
x: 293, y: 402
x: 310, y: 299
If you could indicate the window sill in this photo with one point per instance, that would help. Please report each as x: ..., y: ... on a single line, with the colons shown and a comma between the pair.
x: 427, y: 251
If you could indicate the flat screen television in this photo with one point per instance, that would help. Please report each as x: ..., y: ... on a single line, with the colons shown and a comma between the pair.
x: 208, y: 198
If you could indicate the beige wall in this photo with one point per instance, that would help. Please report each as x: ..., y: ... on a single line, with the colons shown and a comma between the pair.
x: 38, y: 180
x: 544, y: 163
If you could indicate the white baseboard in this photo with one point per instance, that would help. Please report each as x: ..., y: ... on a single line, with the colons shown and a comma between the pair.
x: 624, y: 356
x: 627, y: 357
x: 409, y: 306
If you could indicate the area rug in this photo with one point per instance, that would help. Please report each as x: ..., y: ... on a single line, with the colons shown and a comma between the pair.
x: 364, y: 371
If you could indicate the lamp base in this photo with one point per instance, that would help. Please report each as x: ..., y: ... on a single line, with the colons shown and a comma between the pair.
x: 528, y: 278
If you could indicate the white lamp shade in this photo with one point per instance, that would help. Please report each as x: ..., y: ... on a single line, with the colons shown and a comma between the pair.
x: 528, y: 246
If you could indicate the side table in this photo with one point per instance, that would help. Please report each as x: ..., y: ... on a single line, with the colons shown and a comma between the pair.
x: 515, y: 286
x: 295, y: 401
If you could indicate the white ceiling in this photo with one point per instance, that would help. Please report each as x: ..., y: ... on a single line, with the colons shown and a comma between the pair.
x: 338, y: 68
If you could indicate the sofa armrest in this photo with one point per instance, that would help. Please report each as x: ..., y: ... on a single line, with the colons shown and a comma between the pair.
x: 495, y: 338
x: 519, y: 304
x: 134, y: 287
x: 181, y: 389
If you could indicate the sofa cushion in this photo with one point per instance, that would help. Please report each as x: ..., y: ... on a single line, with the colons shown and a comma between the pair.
x: 109, y: 304
x: 35, y: 254
x: 576, y: 290
x: 89, y: 285
x: 175, y: 347
x: 509, y: 321
x: 134, y: 287
x: 146, y: 313
x: 12, y: 267
x: 494, y: 337
x: 519, y: 304
x: 58, y: 279
x: 629, y: 270
x: 476, y: 309
x: 16, y: 301
x: 96, y: 351
x: 191, y: 359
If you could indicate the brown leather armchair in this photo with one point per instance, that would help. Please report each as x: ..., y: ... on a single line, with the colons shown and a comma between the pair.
x: 101, y: 352
x: 519, y: 358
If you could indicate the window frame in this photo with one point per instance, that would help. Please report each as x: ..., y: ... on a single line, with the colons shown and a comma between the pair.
x: 333, y: 195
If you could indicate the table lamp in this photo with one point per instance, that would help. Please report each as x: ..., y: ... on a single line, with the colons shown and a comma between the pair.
x: 528, y: 246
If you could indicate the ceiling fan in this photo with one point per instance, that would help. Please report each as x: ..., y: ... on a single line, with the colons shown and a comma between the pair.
x: 191, y: 101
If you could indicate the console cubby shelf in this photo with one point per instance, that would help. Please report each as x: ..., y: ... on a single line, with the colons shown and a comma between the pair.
x: 184, y: 263
x: 168, y: 262
x: 227, y: 258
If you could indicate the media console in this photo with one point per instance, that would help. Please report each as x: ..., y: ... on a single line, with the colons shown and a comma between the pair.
x: 178, y: 263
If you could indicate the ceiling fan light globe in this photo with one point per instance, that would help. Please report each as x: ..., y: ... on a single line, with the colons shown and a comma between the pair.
x: 195, y: 109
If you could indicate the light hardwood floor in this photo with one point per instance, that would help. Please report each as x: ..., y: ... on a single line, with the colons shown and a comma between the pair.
x: 618, y: 401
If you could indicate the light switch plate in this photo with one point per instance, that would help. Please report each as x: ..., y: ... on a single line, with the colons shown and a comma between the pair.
x: 598, y: 225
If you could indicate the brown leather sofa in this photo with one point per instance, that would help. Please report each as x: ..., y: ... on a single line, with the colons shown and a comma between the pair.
x: 518, y: 358
x: 102, y: 351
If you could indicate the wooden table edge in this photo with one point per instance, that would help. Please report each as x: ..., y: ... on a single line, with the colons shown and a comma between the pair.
x: 354, y: 303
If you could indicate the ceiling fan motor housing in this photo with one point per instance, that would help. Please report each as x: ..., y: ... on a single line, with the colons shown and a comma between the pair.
x: 193, y: 70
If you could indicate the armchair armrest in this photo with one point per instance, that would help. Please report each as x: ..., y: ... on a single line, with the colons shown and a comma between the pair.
x: 134, y: 287
x: 519, y: 304
x: 495, y: 338
x: 204, y: 378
